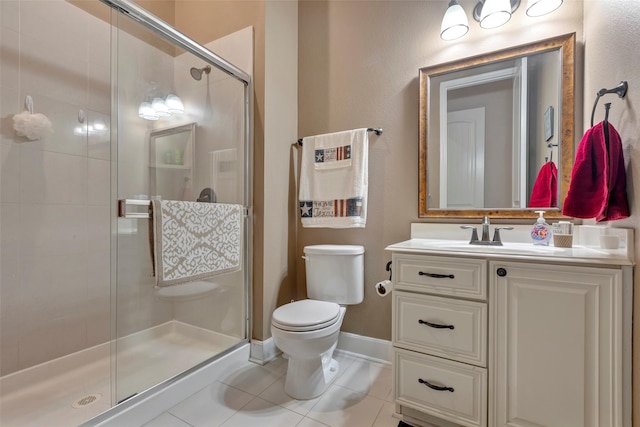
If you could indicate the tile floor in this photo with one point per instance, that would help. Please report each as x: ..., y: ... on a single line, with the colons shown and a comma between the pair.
x: 253, y: 395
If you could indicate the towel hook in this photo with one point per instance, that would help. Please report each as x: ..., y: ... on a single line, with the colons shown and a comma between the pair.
x: 550, y: 147
x: 621, y: 90
x: 28, y: 104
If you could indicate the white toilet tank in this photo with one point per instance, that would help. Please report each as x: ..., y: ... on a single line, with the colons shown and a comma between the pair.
x: 335, y: 273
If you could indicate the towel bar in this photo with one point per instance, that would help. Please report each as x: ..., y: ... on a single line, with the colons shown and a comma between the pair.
x: 123, y: 213
x: 378, y: 132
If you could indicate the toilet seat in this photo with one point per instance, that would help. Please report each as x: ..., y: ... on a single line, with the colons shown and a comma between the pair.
x: 306, y: 315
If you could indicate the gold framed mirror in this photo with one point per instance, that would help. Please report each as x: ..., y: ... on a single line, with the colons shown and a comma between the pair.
x: 508, y: 98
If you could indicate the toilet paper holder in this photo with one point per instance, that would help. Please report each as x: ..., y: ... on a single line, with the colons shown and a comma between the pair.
x: 381, y: 289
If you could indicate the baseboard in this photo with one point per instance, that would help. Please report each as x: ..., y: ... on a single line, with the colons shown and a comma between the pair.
x: 263, y: 351
x: 365, y: 347
x: 373, y: 349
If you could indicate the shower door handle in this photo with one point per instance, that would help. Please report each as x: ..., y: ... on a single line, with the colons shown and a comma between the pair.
x: 122, y: 208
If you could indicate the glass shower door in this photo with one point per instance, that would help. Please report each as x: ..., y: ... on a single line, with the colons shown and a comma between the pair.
x: 195, y: 154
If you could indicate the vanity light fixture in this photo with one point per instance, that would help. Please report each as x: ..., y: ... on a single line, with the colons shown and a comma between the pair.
x: 155, y: 106
x: 542, y: 7
x: 489, y: 14
x: 455, y: 23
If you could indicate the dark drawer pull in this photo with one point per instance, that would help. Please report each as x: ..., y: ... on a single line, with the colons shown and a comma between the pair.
x: 435, y: 325
x: 435, y: 387
x: 436, y: 276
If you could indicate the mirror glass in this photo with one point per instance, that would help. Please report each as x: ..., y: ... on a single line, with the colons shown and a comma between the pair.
x: 497, y: 132
x: 171, y: 166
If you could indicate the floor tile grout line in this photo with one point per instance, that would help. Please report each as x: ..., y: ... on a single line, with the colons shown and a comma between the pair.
x: 252, y: 400
x: 379, y: 412
x: 315, y: 421
x: 219, y: 383
x: 177, y: 417
x: 364, y: 395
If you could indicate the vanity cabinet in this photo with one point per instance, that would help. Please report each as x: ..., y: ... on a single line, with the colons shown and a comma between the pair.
x: 439, y: 334
x: 556, y: 345
x: 481, y: 339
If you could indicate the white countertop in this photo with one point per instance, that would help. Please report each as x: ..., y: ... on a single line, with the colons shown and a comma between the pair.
x: 432, y: 239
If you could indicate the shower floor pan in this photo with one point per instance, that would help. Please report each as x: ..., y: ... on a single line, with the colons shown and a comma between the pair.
x: 75, y: 388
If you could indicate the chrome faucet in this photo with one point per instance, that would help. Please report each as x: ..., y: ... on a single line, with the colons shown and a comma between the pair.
x: 485, y: 229
x: 496, y: 241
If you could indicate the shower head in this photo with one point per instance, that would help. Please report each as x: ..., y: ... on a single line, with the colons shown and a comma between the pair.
x: 196, y: 73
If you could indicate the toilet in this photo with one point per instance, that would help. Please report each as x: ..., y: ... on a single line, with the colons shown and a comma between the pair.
x: 307, y: 330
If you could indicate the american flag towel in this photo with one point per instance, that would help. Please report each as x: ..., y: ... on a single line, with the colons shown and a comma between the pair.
x: 334, y: 180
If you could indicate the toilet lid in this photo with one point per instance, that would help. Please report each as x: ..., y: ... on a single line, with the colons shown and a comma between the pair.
x: 305, y: 315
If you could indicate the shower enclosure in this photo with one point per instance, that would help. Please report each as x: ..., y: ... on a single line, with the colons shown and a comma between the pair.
x: 132, y: 111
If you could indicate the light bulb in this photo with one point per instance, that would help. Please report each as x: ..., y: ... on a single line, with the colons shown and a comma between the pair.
x: 454, y: 23
x: 160, y: 107
x: 147, y: 112
x: 174, y: 104
x: 495, y: 13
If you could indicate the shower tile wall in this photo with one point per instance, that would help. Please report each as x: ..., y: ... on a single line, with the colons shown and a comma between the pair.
x: 54, y: 192
x: 55, y: 223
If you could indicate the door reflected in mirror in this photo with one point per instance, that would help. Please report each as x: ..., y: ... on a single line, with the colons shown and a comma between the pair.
x: 489, y: 141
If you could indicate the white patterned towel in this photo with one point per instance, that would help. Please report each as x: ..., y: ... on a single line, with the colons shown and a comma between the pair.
x: 334, y: 180
x: 195, y: 240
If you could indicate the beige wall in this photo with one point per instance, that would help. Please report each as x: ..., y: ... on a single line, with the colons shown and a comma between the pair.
x: 280, y: 130
x: 358, y: 67
x: 611, y: 31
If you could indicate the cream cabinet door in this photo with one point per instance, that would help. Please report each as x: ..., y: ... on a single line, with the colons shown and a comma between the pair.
x: 556, y: 351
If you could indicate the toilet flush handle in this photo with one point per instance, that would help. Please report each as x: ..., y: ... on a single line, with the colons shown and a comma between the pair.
x: 304, y: 257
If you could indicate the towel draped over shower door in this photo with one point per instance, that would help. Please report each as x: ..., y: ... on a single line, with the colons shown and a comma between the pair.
x: 195, y: 240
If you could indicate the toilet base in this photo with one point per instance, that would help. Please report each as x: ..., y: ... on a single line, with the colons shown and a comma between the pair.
x: 309, y: 378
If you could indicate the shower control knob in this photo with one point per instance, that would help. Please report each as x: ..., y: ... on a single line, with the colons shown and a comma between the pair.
x: 501, y: 272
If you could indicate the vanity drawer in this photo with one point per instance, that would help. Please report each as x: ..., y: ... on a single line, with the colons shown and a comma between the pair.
x: 445, y: 327
x: 462, y: 398
x: 459, y: 277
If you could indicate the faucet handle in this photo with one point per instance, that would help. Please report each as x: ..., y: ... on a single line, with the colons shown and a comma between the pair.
x: 496, y: 233
x: 474, y: 233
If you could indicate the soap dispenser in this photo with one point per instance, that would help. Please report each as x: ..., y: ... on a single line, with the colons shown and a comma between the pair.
x: 541, y: 232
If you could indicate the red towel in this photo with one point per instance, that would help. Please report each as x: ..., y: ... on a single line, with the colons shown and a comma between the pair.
x: 545, y: 189
x: 598, y: 187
